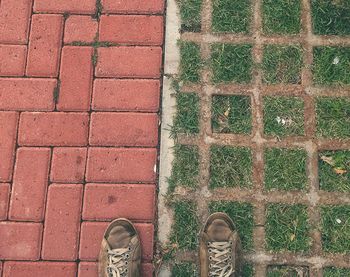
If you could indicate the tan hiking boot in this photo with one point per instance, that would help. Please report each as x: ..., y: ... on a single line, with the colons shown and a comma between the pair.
x: 219, y: 248
x: 120, y: 254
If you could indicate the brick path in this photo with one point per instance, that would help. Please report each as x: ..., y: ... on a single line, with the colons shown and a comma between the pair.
x: 79, y: 100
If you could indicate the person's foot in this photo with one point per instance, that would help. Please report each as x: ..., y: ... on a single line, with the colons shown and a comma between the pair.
x: 219, y: 249
x: 120, y: 253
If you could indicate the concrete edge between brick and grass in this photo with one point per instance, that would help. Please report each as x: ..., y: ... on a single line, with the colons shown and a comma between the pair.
x: 171, y: 64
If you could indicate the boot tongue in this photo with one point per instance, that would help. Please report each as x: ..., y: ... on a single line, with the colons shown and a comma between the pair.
x: 219, y: 230
x: 119, y: 237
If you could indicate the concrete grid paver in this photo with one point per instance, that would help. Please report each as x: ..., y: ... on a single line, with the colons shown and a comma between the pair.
x: 65, y: 170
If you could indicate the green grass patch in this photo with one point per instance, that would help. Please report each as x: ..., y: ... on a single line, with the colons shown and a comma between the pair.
x: 230, y: 166
x: 190, y: 13
x: 247, y: 270
x: 287, y: 271
x: 190, y: 62
x: 333, y: 117
x: 336, y: 229
x: 287, y: 228
x: 185, y: 228
x: 231, y: 63
x: 231, y: 16
x: 334, y: 170
x: 283, y: 116
x: 186, y: 120
x: 336, y: 272
x: 331, y: 17
x: 242, y: 216
x: 185, y: 167
x: 331, y: 65
x: 285, y: 169
x: 282, y: 64
x: 184, y: 270
x: 281, y: 16
x: 231, y: 114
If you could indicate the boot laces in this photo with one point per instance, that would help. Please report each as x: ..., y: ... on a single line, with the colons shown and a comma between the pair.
x: 118, y: 260
x: 220, y: 259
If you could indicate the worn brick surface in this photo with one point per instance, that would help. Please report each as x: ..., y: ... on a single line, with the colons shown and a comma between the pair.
x: 14, y: 21
x: 68, y: 164
x: 4, y: 199
x: 110, y: 201
x: 65, y: 6
x: 20, y: 241
x: 27, y: 94
x: 133, y: 6
x: 39, y: 269
x: 62, y: 222
x: 56, y: 129
x: 12, y: 60
x: 126, y: 95
x: 88, y: 269
x: 44, y: 45
x: 30, y: 184
x: 147, y: 270
x: 79, y: 28
x: 129, y: 61
x: 121, y: 165
x: 132, y: 29
x: 124, y: 129
x: 76, y: 79
x: 8, y: 127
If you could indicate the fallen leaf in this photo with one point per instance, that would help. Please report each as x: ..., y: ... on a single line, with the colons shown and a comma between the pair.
x: 227, y: 112
x: 292, y: 237
x: 339, y: 171
x: 328, y: 160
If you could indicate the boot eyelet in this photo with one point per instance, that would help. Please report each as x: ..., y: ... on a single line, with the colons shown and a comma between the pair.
x: 129, y: 248
x: 208, y: 243
x: 210, y: 258
x: 209, y: 250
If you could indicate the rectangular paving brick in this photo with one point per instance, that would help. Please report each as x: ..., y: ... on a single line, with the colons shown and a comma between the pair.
x: 92, y: 234
x: 13, y: 59
x: 80, y: 28
x: 124, y: 129
x: 88, y: 269
x: 121, y: 165
x: 147, y: 270
x: 129, y: 61
x: 27, y: 94
x: 40, y: 269
x: 8, y: 127
x: 76, y: 79
x: 132, y: 29
x: 133, y: 6
x: 14, y: 21
x: 68, y: 165
x: 65, y: 6
x: 44, y: 45
x: 19, y: 241
x: 30, y: 184
x: 53, y: 129
x: 4, y: 199
x: 62, y: 222
x: 126, y: 95
x: 110, y: 201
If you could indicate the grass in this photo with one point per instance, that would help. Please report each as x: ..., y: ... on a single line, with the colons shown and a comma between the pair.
x: 247, y: 270
x: 336, y: 272
x: 287, y: 271
x: 333, y: 117
x: 190, y: 13
x: 190, y: 62
x: 184, y: 270
x: 230, y: 166
x: 331, y: 17
x: 242, y: 216
x: 281, y: 16
x: 336, y: 229
x: 334, y: 170
x: 283, y: 116
x: 287, y: 228
x: 331, y: 65
x: 185, y: 230
x: 285, y: 169
x: 186, y: 120
x: 231, y: 63
x: 231, y: 114
x: 282, y: 64
x: 231, y: 16
x: 185, y: 167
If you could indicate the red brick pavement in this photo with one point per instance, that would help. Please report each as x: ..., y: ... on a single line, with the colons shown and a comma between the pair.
x: 79, y: 101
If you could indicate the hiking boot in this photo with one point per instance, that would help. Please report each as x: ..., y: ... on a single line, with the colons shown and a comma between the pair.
x: 219, y: 249
x: 120, y: 254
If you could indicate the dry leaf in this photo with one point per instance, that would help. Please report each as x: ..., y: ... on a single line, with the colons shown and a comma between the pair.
x: 227, y: 112
x: 292, y: 237
x: 339, y: 171
x: 328, y: 160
